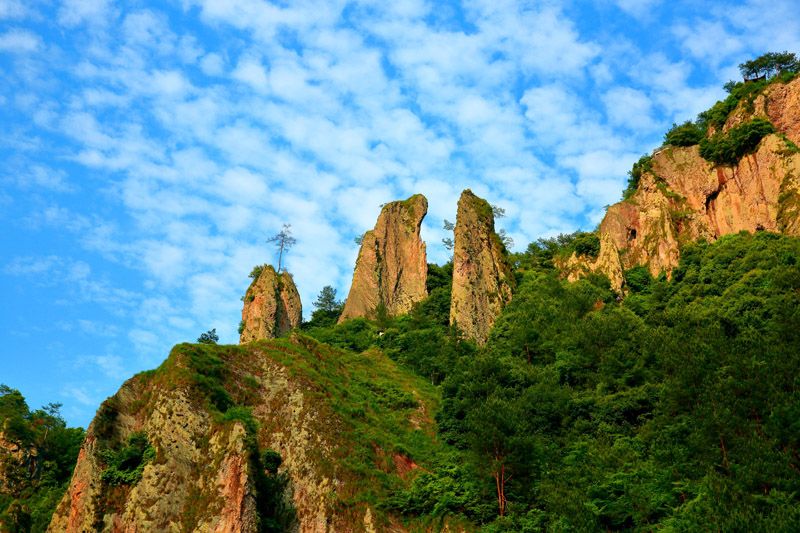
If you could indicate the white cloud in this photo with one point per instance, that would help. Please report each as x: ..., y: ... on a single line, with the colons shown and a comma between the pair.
x: 19, y: 41
x: 74, y: 12
x: 212, y: 64
x: 642, y: 9
x: 12, y: 9
x: 251, y: 72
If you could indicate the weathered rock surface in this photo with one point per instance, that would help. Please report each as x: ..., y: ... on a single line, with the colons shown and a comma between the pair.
x: 685, y: 197
x: 392, y: 268
x: 205, y: 470
x: 482, y: 276
x: 272, y: 306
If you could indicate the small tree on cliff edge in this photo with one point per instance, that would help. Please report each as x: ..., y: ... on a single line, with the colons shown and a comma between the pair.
x: 283, y: 240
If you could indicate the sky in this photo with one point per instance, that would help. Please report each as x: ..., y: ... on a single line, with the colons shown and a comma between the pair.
x: 150, y: 149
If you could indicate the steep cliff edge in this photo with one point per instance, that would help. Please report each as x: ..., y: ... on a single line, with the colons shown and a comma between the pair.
x: 392, y: 267
x: 349, y: 428
x: 682, y: 197
x: 271, y: 306
x: 482, y: 276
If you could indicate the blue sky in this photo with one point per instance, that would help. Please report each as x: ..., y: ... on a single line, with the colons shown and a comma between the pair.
x: 149, y: 149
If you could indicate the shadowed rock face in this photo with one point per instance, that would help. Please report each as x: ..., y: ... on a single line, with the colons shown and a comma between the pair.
x: 271, y: 306
x: 392, y: 268
x: 685, y: 197
x: 482, y: 277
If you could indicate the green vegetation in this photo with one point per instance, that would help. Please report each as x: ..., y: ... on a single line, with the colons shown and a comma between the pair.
x: 209, y: 337
x: 728, y: 148
x: 770, y: 65
x: 32, y: 483
x: 644, y: 164
x: 124, y: 466
x: 687, y: 134
x: 673, y: 409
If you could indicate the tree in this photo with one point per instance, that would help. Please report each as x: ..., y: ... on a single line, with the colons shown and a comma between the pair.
x: 284, y: 241
x: 448, y: 226
x: 326, y: 300
x: 209, y: 337
x: 498, y: 211
x: 506, y: 239
x: 448, y: 243
x: 328, y: 308
x: 769, y: 65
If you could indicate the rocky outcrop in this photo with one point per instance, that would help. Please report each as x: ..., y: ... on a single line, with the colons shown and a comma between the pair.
x: 392, y: 268
x: 683, y: 197
x: 271, y: 306
x: 482, y: 276
x: 291, y: 397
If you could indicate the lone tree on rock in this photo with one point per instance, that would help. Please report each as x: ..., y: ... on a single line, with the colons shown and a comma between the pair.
x: 283, y: 240
x: 209, y: 337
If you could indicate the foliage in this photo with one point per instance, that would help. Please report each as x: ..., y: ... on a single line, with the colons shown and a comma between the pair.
x: 769, y: 65
x: 124, y: 466
x: 209, y: 337
x: 644, y: 164
x: 674, y: 409
x: 687, y: 134
x: 256, y: 272
x: 30, y: 491
x: 328, y: 309
x: 728, y: 148
x: 283, y: 240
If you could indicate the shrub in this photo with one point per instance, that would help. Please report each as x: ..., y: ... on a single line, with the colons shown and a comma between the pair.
x: 687, y: 134
x: 644, y: 164
x: 587, y: 244
x: 728, y: 148
x: 125, y: 466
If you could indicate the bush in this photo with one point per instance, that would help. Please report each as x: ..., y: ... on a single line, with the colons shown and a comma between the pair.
x: 587, y: 244
x: 125, y: 466
x: 687, y: 134
x: 728, y: 148
x: 644, y: 164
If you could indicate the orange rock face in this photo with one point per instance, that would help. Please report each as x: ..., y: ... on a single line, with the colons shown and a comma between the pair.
x: 482, y: 277
x: 271, y: 306
x: 392, y: 267
x: 685, y: 198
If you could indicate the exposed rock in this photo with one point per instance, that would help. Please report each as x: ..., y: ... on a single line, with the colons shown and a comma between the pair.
x: 392, y: 268
x: 482, y: 276
x: 684, y: 197
x: 204, y: 476
x: 271, y: 306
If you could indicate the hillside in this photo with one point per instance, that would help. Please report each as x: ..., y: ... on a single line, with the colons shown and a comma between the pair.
x: 214, y: 422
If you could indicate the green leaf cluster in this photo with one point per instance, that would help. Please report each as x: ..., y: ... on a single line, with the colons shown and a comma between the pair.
x: 727, y: 148
x: 124, y: 466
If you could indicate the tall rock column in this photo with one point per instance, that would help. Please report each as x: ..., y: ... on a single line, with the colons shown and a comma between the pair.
x: 482, y: 277
x: 392, y: 268
x: 271, y: 306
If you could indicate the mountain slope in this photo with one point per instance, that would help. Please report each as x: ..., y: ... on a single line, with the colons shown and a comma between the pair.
x: 350, y: 430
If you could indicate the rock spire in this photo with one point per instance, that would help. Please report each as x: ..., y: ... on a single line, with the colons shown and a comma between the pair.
x: 271, y: 306
x: 392, y: 268
x: 482, y: 277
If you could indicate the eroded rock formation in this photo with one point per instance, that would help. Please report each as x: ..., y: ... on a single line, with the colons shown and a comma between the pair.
x: 271, y: 306
x: 392, y: 268
x: 482, y: 277
x: 683, y: 197
x: 204, y: 470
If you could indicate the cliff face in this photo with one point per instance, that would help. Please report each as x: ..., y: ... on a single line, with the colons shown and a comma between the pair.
x: 210, y: 413
x: 683, y: 197
x: 271, y: 306
x: 391, y: 269
x: 482, y: 277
